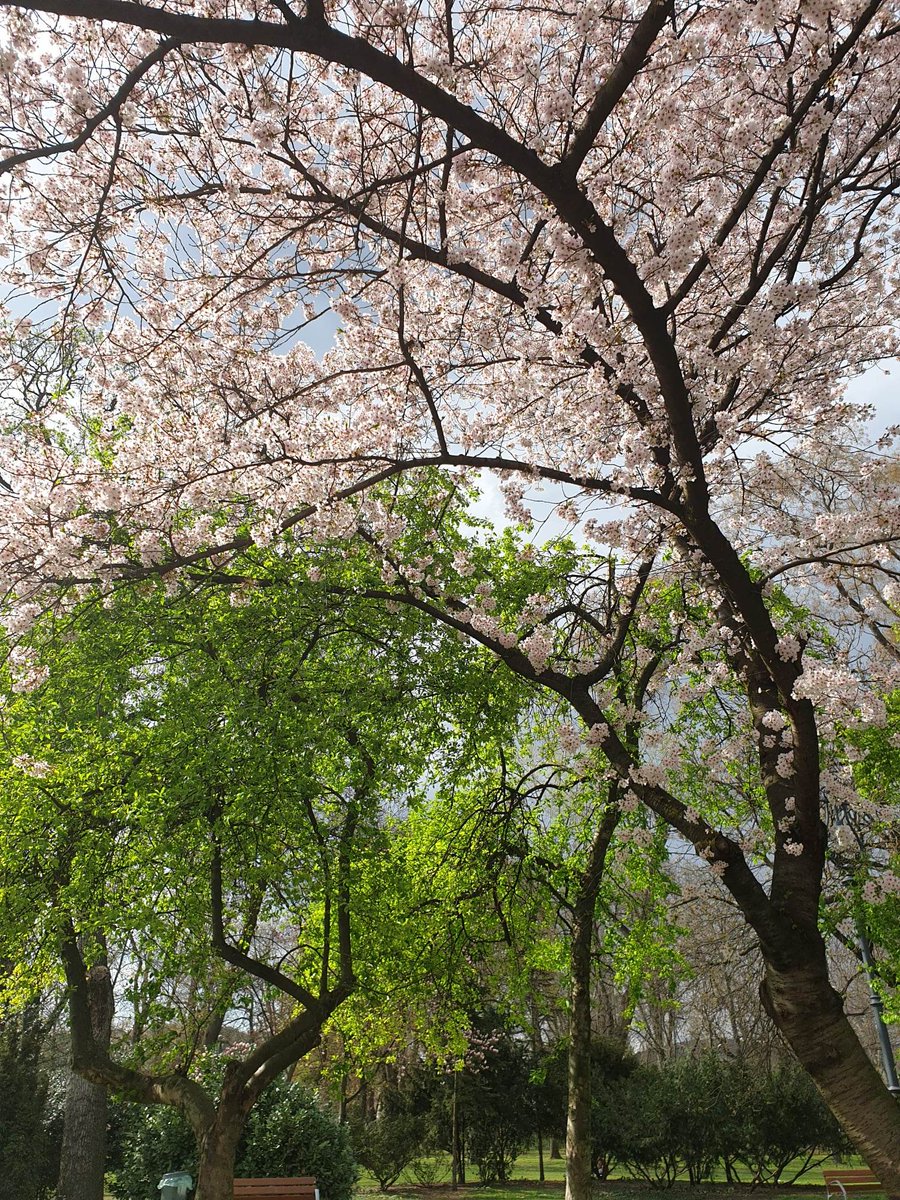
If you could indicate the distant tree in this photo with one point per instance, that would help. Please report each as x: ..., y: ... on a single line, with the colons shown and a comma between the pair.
x: 495, y: 1097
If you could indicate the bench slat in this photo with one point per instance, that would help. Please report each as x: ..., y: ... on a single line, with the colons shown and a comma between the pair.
x: 297, y: 1180
x: 856, y: 1178
x: 284, y: 1188
x: 849, y: 1180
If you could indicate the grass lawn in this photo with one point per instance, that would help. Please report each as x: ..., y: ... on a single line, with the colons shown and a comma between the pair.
x: 525, y: 1186
x: 612, y: 1189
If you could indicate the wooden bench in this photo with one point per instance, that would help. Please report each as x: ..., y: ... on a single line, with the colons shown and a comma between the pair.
x: 847, y: 1181
x: 298, y: 1188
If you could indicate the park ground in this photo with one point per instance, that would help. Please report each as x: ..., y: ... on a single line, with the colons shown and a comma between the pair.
x: 610, y: 1189
x: 526, y: 1186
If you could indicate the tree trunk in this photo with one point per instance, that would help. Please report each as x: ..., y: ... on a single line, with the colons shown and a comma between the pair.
x: 458, y: 1161
x: 454, y: 1135
x: 213, y: 1030
x: 82, y: 1164
x: 537, y: 1048
x: 578, y: 1109
x: 215, y: 1168
x: 810, y: 1014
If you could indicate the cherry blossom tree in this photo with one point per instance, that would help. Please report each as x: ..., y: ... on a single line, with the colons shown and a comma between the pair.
x: 628, y: 252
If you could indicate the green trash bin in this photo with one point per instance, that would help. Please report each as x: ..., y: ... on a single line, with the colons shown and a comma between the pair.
x: 175, y: 1185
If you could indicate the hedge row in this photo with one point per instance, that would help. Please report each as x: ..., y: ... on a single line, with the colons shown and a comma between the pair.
x: 697, y: 1117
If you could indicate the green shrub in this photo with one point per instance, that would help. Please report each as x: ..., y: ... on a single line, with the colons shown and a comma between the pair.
x: 30, y: 1121
x: 496, y: 1099
x: 388, y: 1145
x: 785, y: 1119
x: 145, y: 1143
x: 641, y: 1134
x: 694, y: 1113
x: 288, y: 1134
x: 697, y: 1095
x: 612, y: 1065
x: 495, y: 1144
x: 431, y: 1170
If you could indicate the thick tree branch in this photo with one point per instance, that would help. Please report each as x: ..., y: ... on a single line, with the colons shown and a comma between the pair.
x: 238, y: 958
x: 92, y: 1062
x: 618, y: 81
x: 110, y: 109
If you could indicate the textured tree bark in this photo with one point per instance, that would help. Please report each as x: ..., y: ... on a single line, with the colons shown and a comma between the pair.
x: 810, y: 1014
x: 215, y: 1169
x: 83, y: 1157
x: 213, y: 1030
x: 578, y: 1108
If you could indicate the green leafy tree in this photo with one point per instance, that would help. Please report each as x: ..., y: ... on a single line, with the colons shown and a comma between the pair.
x: 865, y: 866
x: 213, y: 780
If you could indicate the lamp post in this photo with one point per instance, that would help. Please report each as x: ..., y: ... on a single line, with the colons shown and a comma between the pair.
x: 849, y: 845
x: 884, y: 1041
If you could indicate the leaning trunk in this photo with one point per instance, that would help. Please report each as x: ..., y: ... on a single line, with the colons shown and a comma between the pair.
x: 578, y: 1113
x: 810, y: 1015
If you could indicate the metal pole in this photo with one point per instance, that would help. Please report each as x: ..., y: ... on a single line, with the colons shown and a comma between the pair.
x: 884, y: 1041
